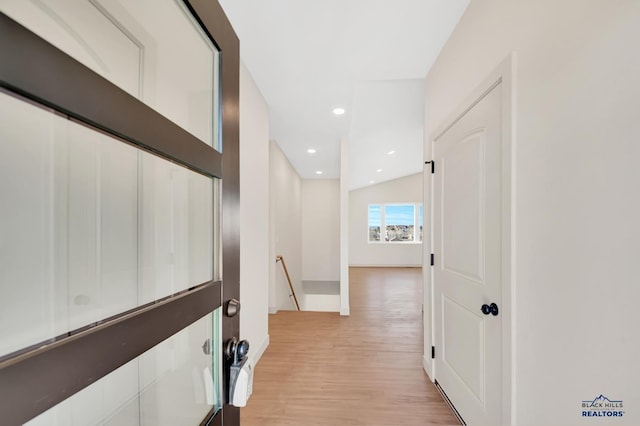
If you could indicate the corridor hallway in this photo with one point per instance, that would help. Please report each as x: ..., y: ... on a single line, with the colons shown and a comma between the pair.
x: 364, y: 369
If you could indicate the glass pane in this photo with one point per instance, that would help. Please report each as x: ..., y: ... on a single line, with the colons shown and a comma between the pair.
x: 129, y: 43
x: 179, y: 62
x: 175, y: 383
x: 374, y: 222
x: 90, y: 226
x: 176, y: 215
x: 399, y: 222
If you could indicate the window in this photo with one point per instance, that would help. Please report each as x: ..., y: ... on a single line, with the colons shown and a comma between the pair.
x: 420, y: 216
x: 395, y: 223
x: 375, y: 223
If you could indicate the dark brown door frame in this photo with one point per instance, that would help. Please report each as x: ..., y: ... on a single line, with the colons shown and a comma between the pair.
x: 35, y: 70
x: 215, y: 22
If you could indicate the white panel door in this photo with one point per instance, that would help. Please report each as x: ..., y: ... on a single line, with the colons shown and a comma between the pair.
x: 467, y: 273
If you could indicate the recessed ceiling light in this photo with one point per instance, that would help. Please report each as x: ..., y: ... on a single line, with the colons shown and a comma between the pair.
x: 311, y: 151
x: 391, y: 152
x: 338, y: 111
x: 372, y: 181
x: 318, y: 172
x: 378, y: 171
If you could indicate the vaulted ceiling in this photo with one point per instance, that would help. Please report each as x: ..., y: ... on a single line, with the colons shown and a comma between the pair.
x: 366, y: 56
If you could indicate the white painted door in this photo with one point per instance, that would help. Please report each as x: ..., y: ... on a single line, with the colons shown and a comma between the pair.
x: 467, y: 273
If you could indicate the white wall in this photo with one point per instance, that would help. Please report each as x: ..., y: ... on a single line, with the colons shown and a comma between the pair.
x: 285, y: 188
x: 321, y: 230
x: 576, y: 184
x: 254, y: 220
x: 362, y: 253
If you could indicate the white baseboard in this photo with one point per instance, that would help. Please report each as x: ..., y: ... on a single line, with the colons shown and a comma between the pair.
x: 345, y: 312
x: 273, y: 310
x: 259, y: 350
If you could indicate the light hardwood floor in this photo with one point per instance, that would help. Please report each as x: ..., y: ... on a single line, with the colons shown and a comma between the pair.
x: 365, y: 369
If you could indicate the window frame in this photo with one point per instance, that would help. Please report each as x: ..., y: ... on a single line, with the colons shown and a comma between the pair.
x: 383, y: 224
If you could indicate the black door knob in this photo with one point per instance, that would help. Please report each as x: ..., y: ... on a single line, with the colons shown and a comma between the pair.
x: 490, y: 309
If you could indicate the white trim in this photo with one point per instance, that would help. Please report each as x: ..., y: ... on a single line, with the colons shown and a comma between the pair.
x: 509, y: 234
x: 503, y: 74
x: 344, y: 227
x: 260, y: 350
x: 427, y: 272
x: 427, y: 366
x: 273, y: 310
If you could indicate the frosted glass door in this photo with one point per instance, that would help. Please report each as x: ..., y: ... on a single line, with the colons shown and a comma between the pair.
x: 172, y: 384
x: 90, y: 226
x: 110, y: 252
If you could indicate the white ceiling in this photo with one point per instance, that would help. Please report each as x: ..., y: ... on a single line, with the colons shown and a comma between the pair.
x: 367, y: 56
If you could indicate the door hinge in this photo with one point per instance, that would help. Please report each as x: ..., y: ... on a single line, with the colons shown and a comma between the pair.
x: 433, y: 259
x: 433, y: 352
x: 433, y: 166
